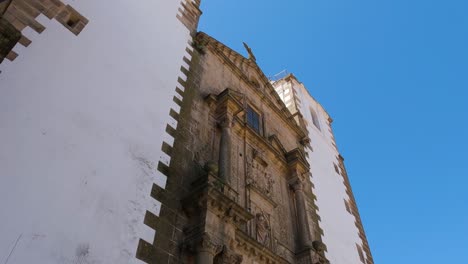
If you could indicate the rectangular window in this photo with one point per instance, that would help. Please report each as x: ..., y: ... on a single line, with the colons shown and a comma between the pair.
x: 315, y: 119
x: 253, y: 119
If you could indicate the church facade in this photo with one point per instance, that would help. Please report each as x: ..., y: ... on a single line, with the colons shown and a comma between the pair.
x: 238, y: 169
x: 178, y: 150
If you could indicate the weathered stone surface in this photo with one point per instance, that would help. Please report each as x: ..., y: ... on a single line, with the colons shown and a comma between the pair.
x: 244, y: 202
x: 9, y: 36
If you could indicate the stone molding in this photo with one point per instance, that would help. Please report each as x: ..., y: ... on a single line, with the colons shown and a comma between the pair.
x: 246, y: 243
x: 211, y: 193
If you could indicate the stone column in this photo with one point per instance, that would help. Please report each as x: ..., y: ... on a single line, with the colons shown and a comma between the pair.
x: 224, y: 162
x: 302, y: 223
x: 205, y: 250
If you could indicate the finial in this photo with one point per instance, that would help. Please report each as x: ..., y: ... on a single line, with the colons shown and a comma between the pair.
x: 249, y: 50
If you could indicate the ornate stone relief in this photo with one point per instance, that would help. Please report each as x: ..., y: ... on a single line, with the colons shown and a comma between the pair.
x: 263, y: 229
x: 259, y: 177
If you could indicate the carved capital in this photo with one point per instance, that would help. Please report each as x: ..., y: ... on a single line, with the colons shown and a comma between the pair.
x: 297, y: 184
x: 225, y: 121
x: 205, y: 244
x: 227, y: 256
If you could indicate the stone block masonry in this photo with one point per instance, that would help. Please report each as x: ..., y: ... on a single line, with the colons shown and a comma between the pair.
x: 19, y: 14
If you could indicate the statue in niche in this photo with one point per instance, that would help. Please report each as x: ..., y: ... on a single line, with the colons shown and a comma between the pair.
x: 263, y: 229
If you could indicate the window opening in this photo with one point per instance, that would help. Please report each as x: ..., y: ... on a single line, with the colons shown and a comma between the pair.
x: 253, y: 119
x: 315, y: 119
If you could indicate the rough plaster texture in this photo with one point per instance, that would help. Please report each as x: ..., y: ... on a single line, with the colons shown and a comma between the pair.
x: 340, y: 233
x: 82, y: 121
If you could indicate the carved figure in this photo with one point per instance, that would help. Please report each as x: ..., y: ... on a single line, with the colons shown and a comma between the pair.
x: 249, y: 51
x: 263, y: 229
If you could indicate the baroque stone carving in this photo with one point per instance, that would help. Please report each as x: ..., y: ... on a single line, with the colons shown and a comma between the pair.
x: 205, y: 244
x: 258, y: 176
x: 263, y: 229
x: 227, y: 256
x: 249, y: 51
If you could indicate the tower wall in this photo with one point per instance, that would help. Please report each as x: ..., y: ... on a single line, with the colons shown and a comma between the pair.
x: 86, y: 100
x: 346, y: 242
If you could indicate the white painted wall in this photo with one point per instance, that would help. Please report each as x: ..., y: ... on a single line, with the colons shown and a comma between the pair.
x: 340, y: 232
x: 82, y: 120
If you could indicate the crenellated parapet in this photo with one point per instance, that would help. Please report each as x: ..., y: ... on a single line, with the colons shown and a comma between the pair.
x: 189, y: 14
x: 16, y: 15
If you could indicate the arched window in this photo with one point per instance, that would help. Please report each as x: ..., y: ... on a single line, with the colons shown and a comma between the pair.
x: 315, y: 119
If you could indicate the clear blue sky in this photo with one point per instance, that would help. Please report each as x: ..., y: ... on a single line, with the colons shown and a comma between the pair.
x: 394, y: 76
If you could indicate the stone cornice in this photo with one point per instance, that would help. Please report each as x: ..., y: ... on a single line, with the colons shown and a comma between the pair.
x: 297, y: 160
x: 209, y: 192
x: 274, y: 138
x: 248, y: 244
x: 265, y: 197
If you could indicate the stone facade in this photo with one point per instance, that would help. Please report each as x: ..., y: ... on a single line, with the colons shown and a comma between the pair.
x: 238, y: 188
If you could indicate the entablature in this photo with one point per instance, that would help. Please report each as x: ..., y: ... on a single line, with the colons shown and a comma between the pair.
x: 211, y: 193
x: 256, y: 250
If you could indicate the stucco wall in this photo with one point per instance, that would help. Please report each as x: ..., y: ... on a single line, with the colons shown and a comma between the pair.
x: 82, y: 121
x: 340, y: 232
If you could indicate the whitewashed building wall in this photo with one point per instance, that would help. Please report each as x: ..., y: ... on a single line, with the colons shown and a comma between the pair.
x: 82, y: 121
x: 340, y: 232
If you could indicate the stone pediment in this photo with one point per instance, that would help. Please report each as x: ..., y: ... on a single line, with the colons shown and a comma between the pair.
x: 276, y: 143
x: 248, y: 70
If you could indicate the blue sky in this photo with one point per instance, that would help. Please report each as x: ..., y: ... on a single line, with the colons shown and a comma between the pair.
x: 394, y: 76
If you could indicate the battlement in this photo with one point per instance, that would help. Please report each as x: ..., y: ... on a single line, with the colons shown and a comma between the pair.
x: 16, y: 15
